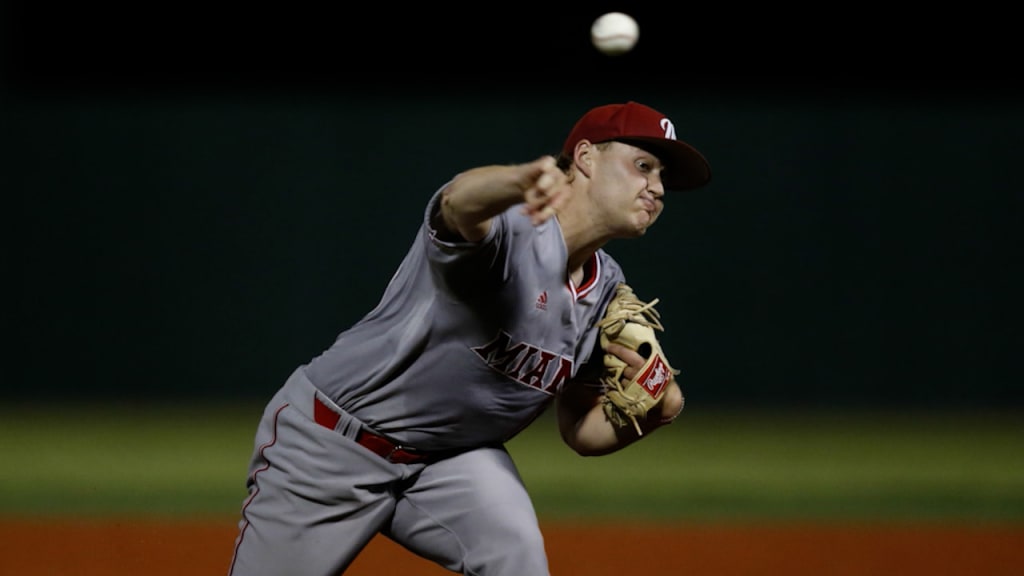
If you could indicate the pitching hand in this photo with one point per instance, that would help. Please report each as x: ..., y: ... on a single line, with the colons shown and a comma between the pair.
x: 546, y: 190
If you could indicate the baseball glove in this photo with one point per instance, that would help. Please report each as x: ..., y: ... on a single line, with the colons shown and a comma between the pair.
x: 632, y: 323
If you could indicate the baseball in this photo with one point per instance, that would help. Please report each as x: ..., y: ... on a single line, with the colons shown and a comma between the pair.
x: 614, y: 33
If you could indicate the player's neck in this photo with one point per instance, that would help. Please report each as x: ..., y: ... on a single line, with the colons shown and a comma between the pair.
x: 577, y: 263
x: 582, y: 235
x: 576, y: 276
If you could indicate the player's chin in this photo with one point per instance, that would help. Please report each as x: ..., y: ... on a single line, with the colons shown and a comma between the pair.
x: 645, y: 220
x: 636, y: 224
x: 635, y: 232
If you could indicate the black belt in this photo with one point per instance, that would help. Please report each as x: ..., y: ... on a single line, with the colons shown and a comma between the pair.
x: 376, y: 443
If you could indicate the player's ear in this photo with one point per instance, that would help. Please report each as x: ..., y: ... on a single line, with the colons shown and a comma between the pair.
x: 583, y: 156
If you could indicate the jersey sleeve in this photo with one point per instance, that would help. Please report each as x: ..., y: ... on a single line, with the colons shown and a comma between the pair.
x: 442, y: 249
x: 490, y: 256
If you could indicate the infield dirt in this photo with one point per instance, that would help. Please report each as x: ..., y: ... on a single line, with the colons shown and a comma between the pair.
x: 126, y: 547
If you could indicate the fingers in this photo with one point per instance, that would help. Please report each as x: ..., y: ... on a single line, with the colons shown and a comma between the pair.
x: 630, y: 357
x: 546, y: 191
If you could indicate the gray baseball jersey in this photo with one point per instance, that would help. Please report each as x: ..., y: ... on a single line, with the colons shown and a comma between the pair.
x: 468, y: 345
x: 470, y: 341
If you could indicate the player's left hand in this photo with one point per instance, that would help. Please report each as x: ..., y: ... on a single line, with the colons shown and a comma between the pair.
x: 671, y: 404
x: 634, y: 361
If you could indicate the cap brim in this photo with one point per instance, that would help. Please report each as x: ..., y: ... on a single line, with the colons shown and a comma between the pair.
x: 685, y: 167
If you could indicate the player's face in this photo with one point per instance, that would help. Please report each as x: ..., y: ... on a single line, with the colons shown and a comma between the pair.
x: 627, y: 180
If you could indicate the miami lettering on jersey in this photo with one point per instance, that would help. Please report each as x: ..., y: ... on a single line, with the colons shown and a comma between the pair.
x: 525, y: 363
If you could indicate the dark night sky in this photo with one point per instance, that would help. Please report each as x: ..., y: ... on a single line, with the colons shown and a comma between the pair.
x: 150, y: 46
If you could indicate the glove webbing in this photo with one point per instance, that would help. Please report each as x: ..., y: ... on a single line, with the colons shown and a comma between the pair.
x: 633, y: 310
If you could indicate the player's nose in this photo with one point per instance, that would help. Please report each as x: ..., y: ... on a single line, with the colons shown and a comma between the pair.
x: 655, y: 185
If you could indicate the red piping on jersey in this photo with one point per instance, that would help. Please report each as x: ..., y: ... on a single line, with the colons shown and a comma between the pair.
x: 591, y: 272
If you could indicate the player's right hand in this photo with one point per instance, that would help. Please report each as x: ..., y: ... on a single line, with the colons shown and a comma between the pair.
x: 547, y: 189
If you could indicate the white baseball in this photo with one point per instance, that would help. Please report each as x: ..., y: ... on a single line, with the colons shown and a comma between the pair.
x: 614, y: 33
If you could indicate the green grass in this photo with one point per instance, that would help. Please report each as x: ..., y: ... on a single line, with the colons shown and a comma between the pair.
x: 710, y: 465
x: 127, y: 460
x: 742, y: 465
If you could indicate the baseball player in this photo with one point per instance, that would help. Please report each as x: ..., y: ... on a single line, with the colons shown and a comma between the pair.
x: 399, y: 427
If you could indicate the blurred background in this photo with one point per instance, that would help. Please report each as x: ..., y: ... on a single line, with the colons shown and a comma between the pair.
x: 201, y: 196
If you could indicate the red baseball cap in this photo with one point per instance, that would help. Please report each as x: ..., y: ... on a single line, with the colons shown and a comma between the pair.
x: 644, y: 127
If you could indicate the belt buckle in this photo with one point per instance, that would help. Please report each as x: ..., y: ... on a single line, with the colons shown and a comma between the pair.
x: 407, y: 455
x: 394, y: 448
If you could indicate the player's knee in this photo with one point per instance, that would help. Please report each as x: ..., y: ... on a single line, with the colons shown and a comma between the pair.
x: 514, y: 553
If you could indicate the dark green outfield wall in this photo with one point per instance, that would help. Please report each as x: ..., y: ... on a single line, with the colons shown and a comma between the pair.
x: 853, y: 251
